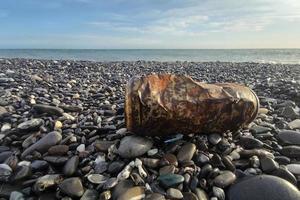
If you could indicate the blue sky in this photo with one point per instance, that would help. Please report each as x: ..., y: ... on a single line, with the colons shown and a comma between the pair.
x: 150, y: 24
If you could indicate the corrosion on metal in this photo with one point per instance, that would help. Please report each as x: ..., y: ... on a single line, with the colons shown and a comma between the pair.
x: 162, y: 104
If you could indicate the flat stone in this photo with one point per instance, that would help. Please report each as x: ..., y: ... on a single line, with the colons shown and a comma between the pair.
x: 263, y: 187
x: 102, y: 145
x: 72, y: 187
x: 201, y: 194
x: 116, y: 166
x: 51, y: 110
x: 169, y: 169
x: 134, y: 146
x: 294, y: 168
x: 58, y: 150
x: 97, y: 178
x: 16, y: 196
x: 214, y: 138
x: 44, y: 143
x: 21, y: 173
x: 71, y: 166
x: 250, y: 143
x: 170, y: 180
x: 173, y: 193
x: 256, y: 129
x: 186, y: 152
x: 155, y: 196
x: 56, y: 160
x: 225, y: 179
x: 291, y: 151
x: 289, y: 137
x: 121, y: 188
x: 295, y: 124
x: 90, y: 194
x: 39, y: 165
x: 284, y: 173
x: 3, y: 111
x: 268, y: 164
x: 289, y: 112
x: 189, y: 196
x: 136, y: 193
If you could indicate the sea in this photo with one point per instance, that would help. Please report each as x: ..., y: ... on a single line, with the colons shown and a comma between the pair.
x: 287, y: 56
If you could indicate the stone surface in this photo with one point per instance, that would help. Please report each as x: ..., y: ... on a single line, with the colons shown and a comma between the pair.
x: 44, y: 143
x: 225, y: 179
x: 137, y: 193
x: 263, y: 187
x: 186, y: 152
x: 134, y: 146
x: 289, y: 137
x: 72, y: 187
x: 170, y: 180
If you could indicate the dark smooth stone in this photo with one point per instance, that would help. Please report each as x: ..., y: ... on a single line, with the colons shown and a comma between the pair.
x: 115, y: 167
x: 56, y: 160
x: 294, y: 168
x: 289, y: 137
x: 201, y: 159
x: 4, y: 155
x: 169, y: 159
x: 134, y: 146
x: 291, y: 151
x: 7, y: 189
x: 71, y: 166
x: 170, y: 180
x: 189, y: 196
x: 90, y: 194
x: 30, y: 125
x: 214, y: 138
x: 39, y: 165
x: 186, y: 152
x: 268, y: 164
x: 44, y: 143
x: 259, y: 129
x: 102, y: 145
x: 282, y: 160
x: 21, y: 173
x: 284, y: 173
x: 121, y: 187
x: 263, y: 187
x: 58, y: 150
x: 250, y: 143
x: 72, y: 187
x: 51, y: 110
x: 225, y: 179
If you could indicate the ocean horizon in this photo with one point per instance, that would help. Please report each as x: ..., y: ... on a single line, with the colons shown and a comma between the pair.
x: 286, y: 56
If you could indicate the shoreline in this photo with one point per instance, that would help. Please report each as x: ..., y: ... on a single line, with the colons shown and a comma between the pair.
x: 62, y: 126
x: 158, y: 61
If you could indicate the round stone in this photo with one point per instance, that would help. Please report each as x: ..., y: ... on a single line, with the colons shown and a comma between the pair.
x: 173, y: 193
x: 225, y: 179
x: 135, y: 193
x: 30, y: 125
x: 186, y: 152
x: 134, y: 146
x: 72, y: 187
x: 170, y: 180
x: 263, y: 187
x: 289, y: 137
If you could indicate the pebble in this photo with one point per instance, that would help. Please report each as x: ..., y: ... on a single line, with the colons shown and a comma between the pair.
x: 214, y: 138
x: 136, y: 193
x: 289, y: 137
x: 89, y: 194
x: 268, y: 164
x: 201, y: 194
x: 295, y: 124
x: 170, y: 180
x: 44, y: 143
x: 173, y: 193
x: 71, y: 166
x: 186, y: 152
x: 58, y: 150
x: 97, y: 178
x: 250, y: 143
x: 134, y: 146
x: 31, y: 125
x: 225, y: 179
x: 51, y: 110
x: 263, y: 187
x: 72, y: 187
x: 294, y: 168
x: 284, y: 173
x: 291, y: 151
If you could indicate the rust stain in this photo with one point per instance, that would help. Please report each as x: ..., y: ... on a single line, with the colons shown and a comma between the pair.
x: 167, y: 104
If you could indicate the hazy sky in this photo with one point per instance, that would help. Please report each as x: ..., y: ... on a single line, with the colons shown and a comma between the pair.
x: 150, y: 24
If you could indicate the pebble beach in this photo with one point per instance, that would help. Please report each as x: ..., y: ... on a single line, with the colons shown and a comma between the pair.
x: 63, y: 135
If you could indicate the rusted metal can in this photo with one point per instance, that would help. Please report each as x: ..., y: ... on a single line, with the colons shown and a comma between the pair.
x: 165, y: 104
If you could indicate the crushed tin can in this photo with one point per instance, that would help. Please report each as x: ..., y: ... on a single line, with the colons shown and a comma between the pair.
x: 163, y: 104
